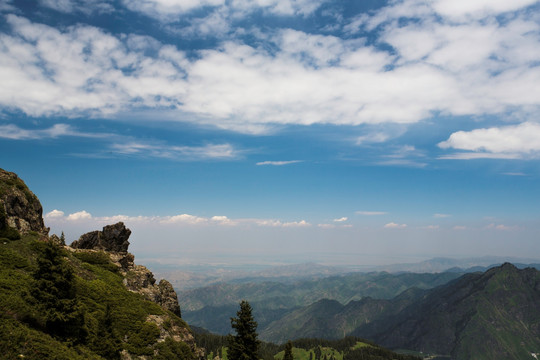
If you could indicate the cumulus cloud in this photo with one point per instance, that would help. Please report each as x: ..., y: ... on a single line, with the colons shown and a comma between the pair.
x: 82, y: 70
x: 58, y: 216
x: 506, y: 142
x: 393, y: 225
x: 184, y: 219
x: 80, y: 215
x: 54, y: 214
x: 437, y: 64
x: 342, y: 219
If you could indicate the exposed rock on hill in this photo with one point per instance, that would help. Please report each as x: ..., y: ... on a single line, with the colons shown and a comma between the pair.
x: 20, y: 209
x: 113, y: 238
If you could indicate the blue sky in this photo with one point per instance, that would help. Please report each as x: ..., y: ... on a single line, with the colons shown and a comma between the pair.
x: 228, y: 131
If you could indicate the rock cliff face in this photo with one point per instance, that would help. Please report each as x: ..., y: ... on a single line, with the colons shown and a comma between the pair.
x: 113, y: 238
x: 20, y: 209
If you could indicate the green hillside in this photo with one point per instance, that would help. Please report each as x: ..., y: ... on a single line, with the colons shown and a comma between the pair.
x: 57, y: 302
x: 60, y: 305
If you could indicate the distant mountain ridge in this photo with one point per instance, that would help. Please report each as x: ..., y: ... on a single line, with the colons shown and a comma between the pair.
x: 212, y: 306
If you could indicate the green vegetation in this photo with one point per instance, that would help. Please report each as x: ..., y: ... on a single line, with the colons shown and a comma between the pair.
x: 244, y: 345
x: 56, y: 304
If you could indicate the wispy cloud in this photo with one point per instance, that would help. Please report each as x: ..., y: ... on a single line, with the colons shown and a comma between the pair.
x: 84, y: 6
x: 279, y: 163
x: 371, y: 213
x: 441, y: 216
x: 500, y: 227
x: 514, y: 174
x: 182, y: 153
x: 14, y: 132
x: 342, y: 219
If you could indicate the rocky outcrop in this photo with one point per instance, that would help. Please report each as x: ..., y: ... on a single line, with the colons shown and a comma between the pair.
x: 141, y: 280
x: 113, y: 238
x: 137, y: 278
x: 20, y: 209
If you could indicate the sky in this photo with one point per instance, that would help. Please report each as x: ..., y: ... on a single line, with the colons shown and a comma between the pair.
x: 279, y: 131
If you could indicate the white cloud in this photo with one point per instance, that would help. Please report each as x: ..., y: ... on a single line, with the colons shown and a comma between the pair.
x: 437, y: 65
x: 393, y: 225
x: 184, y: 219
x: 457, y: 9
x: 84, y: 6
x: 371, y: 213
x: 278, y: 223
x: 500, y: 227
x: 377, y: 137
x: 507, y: 142
x: 301, y: 223
x: 14, y: 132
x: 82, y: 70
x: 515, y: 174
x: 223, y: 220
x: 81, y: 215
x: 341, y: 219
x: 54, y: 214
x: 431, y: 227
x: 183, y: 153
x: 278, y: 163
x: 169, y: 10
x: 441, y: 216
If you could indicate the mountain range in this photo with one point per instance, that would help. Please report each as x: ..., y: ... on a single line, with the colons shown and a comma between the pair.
x: 492, y: 314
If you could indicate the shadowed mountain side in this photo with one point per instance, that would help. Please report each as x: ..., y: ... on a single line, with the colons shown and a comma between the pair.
x: 329, y: 319
x: 491, y: 315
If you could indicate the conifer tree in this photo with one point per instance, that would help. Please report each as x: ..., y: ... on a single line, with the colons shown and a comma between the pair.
x: 244, y: 345
x: 54, y: 290
x: 288, y: 351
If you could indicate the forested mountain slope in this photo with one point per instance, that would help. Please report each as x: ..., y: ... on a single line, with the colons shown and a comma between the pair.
x: 491, y: 315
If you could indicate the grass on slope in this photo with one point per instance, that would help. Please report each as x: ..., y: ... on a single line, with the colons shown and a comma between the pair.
x: 93, y: 302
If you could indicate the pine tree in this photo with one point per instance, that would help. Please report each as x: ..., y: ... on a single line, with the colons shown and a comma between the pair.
x: 244, y: 345
x: 54, y: 291
x: 288, y: 351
